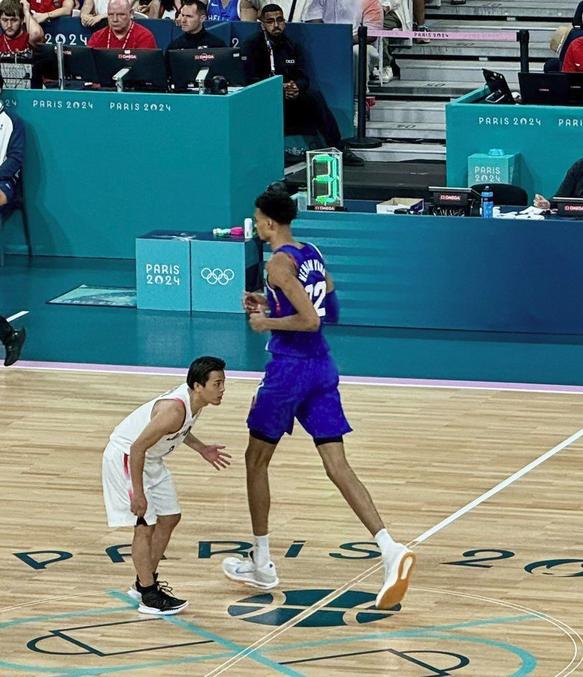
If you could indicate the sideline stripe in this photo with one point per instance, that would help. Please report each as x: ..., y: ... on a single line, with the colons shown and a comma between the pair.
x: 17, y: 315
x: 373, y: 569
x: 349, y: 380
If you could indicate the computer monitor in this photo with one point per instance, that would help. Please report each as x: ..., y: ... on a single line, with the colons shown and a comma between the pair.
x: 569, y: 206
x: 16, y: 70
x: 186, y: 63
x: 575, y: 81
x: 449, y: 201
x: 544, y: 89
x: 147, y: 68
x: 79, y: 64
x: 499, y: 89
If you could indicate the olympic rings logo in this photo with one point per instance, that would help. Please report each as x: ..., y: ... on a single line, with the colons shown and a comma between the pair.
x: 217, y: 276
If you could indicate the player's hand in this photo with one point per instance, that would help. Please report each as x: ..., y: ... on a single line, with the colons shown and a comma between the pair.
x: 258, y: 320
x: 253, y: 301
x: 139, y: 505
x: 541, y: 203
x: 212, y: 454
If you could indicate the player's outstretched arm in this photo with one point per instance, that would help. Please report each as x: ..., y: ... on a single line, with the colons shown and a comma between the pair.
x: 212, y: 453
x: 167, y: 418
x: 282, y: 274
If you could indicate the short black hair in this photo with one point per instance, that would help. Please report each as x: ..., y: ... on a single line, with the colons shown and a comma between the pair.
x: 277, y: 205
x: 201, y: 368
x: 200, y: 6
x: 272, y: 7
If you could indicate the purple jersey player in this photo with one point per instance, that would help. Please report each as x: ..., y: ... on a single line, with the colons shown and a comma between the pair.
x: 301, y: 382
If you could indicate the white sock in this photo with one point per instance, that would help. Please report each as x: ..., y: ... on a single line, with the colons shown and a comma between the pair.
x: 386, y: 543
x: 261, y: 550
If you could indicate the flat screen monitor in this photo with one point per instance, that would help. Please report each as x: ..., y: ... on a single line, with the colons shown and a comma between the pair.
x: 186, y: 63
x: 569, y: 206
x: 16, y: 70
x: 499, y: 89
x: 44, y: 61
x: 544, y: 89
x: 147, y: 68
x: 453, y: 197
x: 78, y: 63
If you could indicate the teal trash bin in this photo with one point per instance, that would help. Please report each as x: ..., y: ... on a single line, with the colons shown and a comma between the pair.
x: 496, y: 166
x: 163, y: 278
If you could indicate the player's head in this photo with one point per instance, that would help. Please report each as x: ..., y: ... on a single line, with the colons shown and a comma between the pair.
x: 272, y: 20
x: 11, y: 18
x: 206, y: 376
x: 274, y: 209
x: 192, y: 16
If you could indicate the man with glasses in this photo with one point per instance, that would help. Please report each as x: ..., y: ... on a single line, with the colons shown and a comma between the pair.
x: 271, y: 52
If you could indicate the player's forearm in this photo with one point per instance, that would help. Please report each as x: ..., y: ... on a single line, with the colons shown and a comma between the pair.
x: 293, y: 323
x: 194, y: 443
x: 137, y: 460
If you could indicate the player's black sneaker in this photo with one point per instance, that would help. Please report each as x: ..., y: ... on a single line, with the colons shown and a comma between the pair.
x: 13, y: 345
x: 135, y: 591
x: 157, y: 602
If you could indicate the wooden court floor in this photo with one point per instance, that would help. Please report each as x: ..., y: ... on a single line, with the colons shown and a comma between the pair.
x: 497, y: 592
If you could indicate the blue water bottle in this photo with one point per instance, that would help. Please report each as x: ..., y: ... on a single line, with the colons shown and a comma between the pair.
x: 487, y: 203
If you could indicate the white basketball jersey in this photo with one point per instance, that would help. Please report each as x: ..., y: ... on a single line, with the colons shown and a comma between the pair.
x: 127, y: 432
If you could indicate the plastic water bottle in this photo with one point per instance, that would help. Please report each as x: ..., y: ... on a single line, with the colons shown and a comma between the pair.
x: 248, y: 228
x: 487, y: 203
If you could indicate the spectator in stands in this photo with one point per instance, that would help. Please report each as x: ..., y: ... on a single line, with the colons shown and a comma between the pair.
x: 11, y: 154
x: 419, y: 20
x: 573, y: 61
x: 271, y: 52
x: 223, y: 10
x: 44, y: 10
x: 93, y: 13
x: 13, y: 339
x: 164, y: 9
x: 20, y: 31
x: 293, y: 10
x: 122, y: 31
x: 572, y: 186
x: 355, y: 12
x: 194, y: 36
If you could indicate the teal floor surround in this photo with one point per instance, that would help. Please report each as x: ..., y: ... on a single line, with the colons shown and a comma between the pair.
x: 126, y: 336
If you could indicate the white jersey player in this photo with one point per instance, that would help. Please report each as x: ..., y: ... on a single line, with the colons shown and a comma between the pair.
x: 138, y: 488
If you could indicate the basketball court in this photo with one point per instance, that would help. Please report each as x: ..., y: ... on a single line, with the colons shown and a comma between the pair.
x: 497, y: 586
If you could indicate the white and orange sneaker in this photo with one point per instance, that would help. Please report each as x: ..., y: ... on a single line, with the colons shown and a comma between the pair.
x: 398, y: 572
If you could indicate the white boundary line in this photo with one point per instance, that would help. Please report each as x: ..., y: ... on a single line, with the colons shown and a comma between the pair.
x: 17, y: 315
x: 371, y: 570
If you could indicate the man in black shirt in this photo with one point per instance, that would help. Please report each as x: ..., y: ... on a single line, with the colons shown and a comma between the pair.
x: 194, y: 36
x: 572, y: 186
x: 271, y: 52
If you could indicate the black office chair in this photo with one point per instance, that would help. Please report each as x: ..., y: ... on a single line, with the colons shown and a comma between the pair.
x: 16, y: 205
x: 505, y: 193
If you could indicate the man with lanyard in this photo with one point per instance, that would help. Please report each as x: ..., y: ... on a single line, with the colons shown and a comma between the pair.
x: 20, y: 31
x: 122, y: 31
x: 194, y: 34
x: 271, y: 52
x: 301, y: 382
x: 223, y: 10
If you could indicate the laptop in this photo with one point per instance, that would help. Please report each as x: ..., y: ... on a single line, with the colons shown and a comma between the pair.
x: 545, y: 89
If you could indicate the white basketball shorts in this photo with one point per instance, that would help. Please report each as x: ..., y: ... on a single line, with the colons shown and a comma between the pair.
x: 117, y: 488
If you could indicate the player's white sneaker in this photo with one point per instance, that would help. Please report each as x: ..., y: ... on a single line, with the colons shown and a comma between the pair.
x: 398, y: 572
x: 246, y: 571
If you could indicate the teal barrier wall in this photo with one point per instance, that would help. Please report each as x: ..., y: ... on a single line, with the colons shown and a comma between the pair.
x: 452, y: 273
x: 102, y: 168
x: 328, y: 50
x: 548, y: 139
